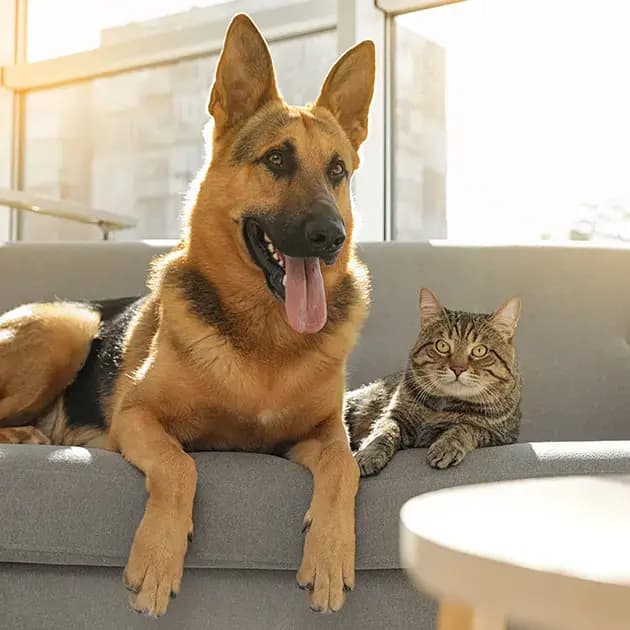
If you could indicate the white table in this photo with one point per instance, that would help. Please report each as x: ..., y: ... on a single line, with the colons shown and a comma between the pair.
x: 554, y: 553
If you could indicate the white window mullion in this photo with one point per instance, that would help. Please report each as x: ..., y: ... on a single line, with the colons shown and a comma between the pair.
x: 7, y: 55
x: 359, y: 20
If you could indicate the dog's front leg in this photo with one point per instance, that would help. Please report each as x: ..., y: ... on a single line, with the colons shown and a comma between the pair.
x: 156, y: 562
x: 327, y: 568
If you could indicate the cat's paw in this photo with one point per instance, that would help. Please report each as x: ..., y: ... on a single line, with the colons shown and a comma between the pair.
x: 445, y: 453
x: 370, y: 461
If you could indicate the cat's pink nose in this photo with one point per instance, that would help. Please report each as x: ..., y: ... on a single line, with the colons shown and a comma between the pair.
x: 458, y: 369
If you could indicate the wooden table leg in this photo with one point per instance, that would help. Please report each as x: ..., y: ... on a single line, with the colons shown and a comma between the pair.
x: 455, y: 616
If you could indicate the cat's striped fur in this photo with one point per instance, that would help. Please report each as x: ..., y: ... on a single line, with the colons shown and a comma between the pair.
x: 461, y: 390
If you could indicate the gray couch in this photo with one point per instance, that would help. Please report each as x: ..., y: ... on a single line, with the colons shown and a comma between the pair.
x: 67, y: 515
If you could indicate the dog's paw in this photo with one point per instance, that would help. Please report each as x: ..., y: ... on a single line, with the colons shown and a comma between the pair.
x: 445, y: 453
x: 156, y: 564
x: 327, y: 569
x: 370, y: 460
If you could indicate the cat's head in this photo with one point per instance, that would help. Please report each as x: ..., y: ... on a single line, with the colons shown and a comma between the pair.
x: 465, y: 355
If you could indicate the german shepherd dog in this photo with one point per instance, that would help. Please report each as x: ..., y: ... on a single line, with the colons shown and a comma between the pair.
x: 242, y: 341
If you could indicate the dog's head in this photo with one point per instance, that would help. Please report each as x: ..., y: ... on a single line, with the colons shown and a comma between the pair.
x: 275, y: 198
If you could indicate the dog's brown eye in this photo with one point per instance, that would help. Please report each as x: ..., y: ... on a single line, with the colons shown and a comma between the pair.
x: 275, y: 159
x: 442, y: 346
x: 337, y: 170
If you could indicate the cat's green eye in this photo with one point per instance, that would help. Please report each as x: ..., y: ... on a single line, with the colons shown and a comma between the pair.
x: 442, y: 346
x: 479, y: 351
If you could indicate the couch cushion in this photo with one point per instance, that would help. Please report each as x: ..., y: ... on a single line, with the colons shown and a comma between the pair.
x: 81, y: 598
x: 70, y: 505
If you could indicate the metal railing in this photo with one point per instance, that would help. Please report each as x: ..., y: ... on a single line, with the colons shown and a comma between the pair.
x: 69, y: 210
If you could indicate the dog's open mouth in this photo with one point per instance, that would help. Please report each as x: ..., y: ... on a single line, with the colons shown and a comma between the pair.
x: 298, y: 282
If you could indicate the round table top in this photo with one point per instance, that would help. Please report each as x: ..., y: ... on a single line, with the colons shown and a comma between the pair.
x: 545, y: 550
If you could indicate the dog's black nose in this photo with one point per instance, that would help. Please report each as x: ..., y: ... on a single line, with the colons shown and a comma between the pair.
x: 314, y: 231
x: 325, y: 232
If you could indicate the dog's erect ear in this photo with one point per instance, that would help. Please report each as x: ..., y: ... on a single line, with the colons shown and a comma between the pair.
x: 245, y: 79
x: 430, y: 308
x: 348, y: 88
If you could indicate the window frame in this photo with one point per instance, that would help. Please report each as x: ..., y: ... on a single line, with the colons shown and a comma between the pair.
x: 354, y: 21
x: 12, y: 50
x: 306, y: 18
x: 397, y: 7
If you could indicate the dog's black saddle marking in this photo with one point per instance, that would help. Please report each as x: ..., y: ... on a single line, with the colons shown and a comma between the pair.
x: 94, y: 381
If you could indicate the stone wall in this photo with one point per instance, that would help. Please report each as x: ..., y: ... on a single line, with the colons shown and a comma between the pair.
x: 131, y: 143
x: 419, y: 137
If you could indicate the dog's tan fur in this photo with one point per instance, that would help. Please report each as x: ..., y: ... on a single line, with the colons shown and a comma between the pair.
x: 236, y: 378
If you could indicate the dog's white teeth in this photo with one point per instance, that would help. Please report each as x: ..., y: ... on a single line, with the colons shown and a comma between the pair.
x: 270, y: 248
x: 275, y: 256
x: 284, y: 281
x: 267, y: 239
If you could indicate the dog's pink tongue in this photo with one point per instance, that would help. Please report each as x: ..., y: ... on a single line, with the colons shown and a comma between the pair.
x: 305, y: 298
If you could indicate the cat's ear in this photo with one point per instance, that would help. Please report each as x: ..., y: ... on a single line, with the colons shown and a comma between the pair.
x: 505, y: 318
x: 430, y: 308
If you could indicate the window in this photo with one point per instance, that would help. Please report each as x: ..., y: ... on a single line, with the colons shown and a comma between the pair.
x: 493, y: 120
x: 132, y: 143
x: 106, y: 109
x: 96, y: 23
x: 510, y: 122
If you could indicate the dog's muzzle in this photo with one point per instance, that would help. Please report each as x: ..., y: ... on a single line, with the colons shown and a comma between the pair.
x: 288, y: 247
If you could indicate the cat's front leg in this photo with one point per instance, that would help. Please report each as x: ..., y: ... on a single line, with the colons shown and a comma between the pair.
x: 452, y: 446
x: 378, y: 448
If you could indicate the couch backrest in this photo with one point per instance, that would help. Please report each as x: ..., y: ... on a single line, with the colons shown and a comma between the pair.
x: 573, y: 339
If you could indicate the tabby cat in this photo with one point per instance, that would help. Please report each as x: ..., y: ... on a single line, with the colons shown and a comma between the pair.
x: 461, y: 390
